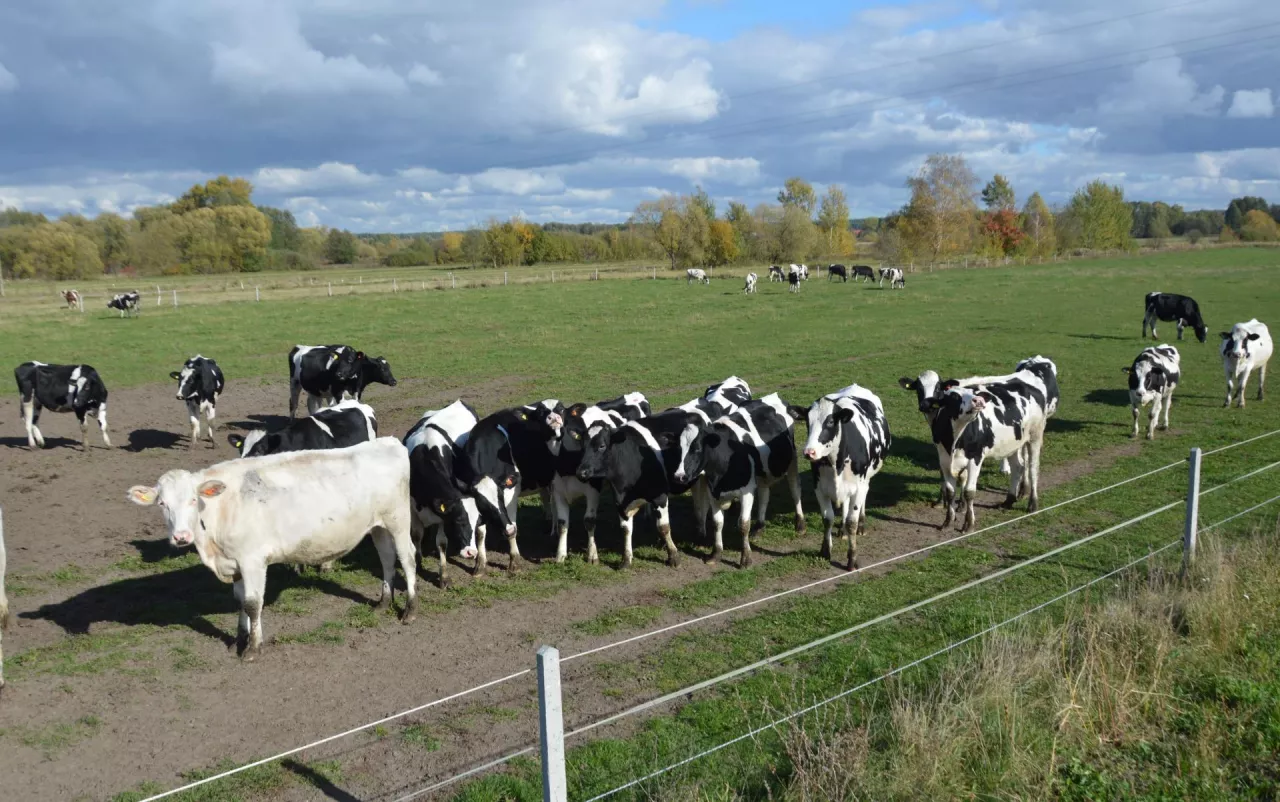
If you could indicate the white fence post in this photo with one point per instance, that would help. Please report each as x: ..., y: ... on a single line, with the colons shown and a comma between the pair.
x: 1191, y: 528
x: 158, y: 300
x: 330, y: 289
x: 175, y: 299
x: 79, y: 302
x: 1, y: 284
x: 257, y: 294
x: 504, y: 278
x: 655, y: 274
x: 393, y: 286
x: 454, y: 279
x: 551, y: 726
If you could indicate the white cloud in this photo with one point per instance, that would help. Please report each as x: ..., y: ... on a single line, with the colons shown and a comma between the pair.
x: 329, y: 175
x: 424, y: 75
x: 1161, y: 88
x: 8, y: 81
x: 1252, y: 103
x: 516, y: 182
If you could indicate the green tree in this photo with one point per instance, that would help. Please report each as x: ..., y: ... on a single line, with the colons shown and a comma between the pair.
x: 284, y: 229
x: 114, y: 236
x: 744, y: 229
x: 798, y: 192
x: 1104, y: 219
x: 244, y: 233
x: 669, y: 235
x: 939, y: 218
x: 833, y: 222
x: 998, y: 194
x: 146, y: 216
x: 502, y: 243
x: 796, y: 234
x: 1239, y: 207
x: 697, y: 232
x: 340, y: 247
x: 1037, y: 225
x: 53, y: 251
x: 702, y: 200
x: 220, y: 191
x: 1259, y: 226
x: 16, y: 217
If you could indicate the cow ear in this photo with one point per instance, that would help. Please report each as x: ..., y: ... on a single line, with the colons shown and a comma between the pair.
x: 142, y: 495
x: 948, y: 384
x: 711, y: 440
x: 1125, y: 370
x: 618, y: 436
x: 844, y: 414
x: 211, y: 488
x: 907, y: 384
x: 1225, y: 335
x: 173, y: 374
x: 236, y: 441
x: 1254, y: 336
x: 576, y: 410
x: 796, y: 412
x: 359, y: 354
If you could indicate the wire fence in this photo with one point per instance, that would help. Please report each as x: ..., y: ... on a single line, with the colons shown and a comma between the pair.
x: 1191, y: 500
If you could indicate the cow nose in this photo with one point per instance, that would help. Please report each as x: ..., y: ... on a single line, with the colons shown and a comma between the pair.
x: 183, y: 538
x: 810, y: 453
x: 469, y: 553
x: 680, y: 474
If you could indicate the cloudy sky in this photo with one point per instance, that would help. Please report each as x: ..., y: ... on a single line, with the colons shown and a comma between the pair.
x: 410, y: 115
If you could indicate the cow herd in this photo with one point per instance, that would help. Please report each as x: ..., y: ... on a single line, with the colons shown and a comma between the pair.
x: 794, y: 275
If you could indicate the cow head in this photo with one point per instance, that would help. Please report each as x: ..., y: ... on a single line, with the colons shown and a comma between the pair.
x: 344, y: 361
x: 959, y: 404
x: 595, y: 457
x: 253, y: 444
x: 376, y: 369
x: 1235, y: 343
x: 182, y: 497
x: 196, y: 375
x: 692, y: 443
x: 545, y: 419
x: 457, y: 526
x: 826, y: 428
x: 581, y: 423
x: 1202, y: 332
x: 925, y: 387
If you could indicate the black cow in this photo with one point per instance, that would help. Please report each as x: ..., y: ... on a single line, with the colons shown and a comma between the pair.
x: 1169, y: 307
x: 864, y: 271
x: 338, y: 426
x: 369, y: 369
x: 508, y: 454
x: 435, y: 444
x: 323, y: 371
x: 837, y: 271
x: 129, y: 303
x: 61, y: 388
x: 632, y: 406
x: 200, y: 382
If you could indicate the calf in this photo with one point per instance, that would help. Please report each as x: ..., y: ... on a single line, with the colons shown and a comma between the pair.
x: 369, y: 370
x: 344, y: 424
x: 1152, y: 378
x: 694, y: 274
x: 897, y: 279
x: 61, y: 388
x: 1003, y: 419
x: 302, y: 507
x: 793, y: 278
x: 200, y: 382
x: 848, y: 440
x: 632, y: 406
x: 1169, y: 307
x: 751, y: 284
x: 72, y: 299
x: 863, y: 271
x: 837, y: 271
x: 129, y: 303
x: 1247, y: 347
x: 435, y: 443
x: 775, y: 273
x: 323, y: 371
x: 4, y: 601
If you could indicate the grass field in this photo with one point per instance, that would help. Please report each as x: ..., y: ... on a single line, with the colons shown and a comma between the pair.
x: 592, y: 340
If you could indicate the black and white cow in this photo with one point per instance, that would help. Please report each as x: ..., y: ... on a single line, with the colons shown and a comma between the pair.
x: 1246, y: 348
x: 750, y: 286
x: 897, y: 279
x: 1169, y: 307
x: 435, y: 444
x: 863, y: 271
x: 775, y: 273
x: 323, y: 371
x: 581, y: 424
x: 200, y: 382
x: 509, y: 454
x: 837, y: 271
x: 799, y: 270
x: 632, y: 406
x: 344, y: 424
x: 719, y: 399
x: 369, y: 370
x: 1003, y: 419
x: 129, y: 303
x: 1152, y: 378
x: 61, y: 388
x: 793, y: 279
x: 848, y: 440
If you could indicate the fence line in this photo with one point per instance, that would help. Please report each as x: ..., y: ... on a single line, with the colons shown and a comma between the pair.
x: 1241, y: 443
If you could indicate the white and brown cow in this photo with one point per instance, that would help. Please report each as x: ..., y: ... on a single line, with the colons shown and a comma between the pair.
x: 61, y: 388
x: 1246, y: 348
x: 200, y: 382
x: 1152, y: 378
x: 305, y: 507
x: 71, y: 298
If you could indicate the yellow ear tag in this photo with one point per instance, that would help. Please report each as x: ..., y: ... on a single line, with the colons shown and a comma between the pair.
x: 509, y: 482
x: 523, y: 416
x: 442, y: 507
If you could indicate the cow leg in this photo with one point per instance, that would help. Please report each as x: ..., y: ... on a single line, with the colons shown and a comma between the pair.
x: 1168, y: 402
x: 314, y: 404
x: 254, y: 578
x: 1180, y: 328
x: 971, y: 490
x: 193, y: 414
x: 210, y: 412
x: 828, y: 520
x: 295, y: 389
x: 664, y: 529
x: 1154, y: 418
x: 948, y: 497
x: 1230, y: 388
x: 386, y: 547
x: 793, y: 484
x: 702, y: 503
x: 1134, y: 406
x: 854, y: 517
x: 31, y: 416
x: 102, y: 424
x: 560, y: 506
x: 1244, y: 380
x: 242, y: 624
x: 1034, y: 448
x: 744, y: 526
x: 761, y: 507
x: 717, y: 524
x: 81, y: 415
x: 399, y: 535
x: 1262, y: 381
x: 549, y: 514
x: 442, y: 554
x: 1017, y: 465
x: 513, y: 549
x: 482, y: 556
x: 589, y: 523
x: 626, y: 520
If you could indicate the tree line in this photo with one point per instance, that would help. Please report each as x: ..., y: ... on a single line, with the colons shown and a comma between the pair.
x: 215, y: 227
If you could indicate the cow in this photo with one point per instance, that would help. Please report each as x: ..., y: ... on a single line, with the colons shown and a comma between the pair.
x: 4, y: 602
x: 1169, y: 307
x: 1002, y: 419
x: 323, y: 371
x: 863, y: 271
x: 511, y: 453
x: 1152, y: 378
x: 848, y: 440
x: 344, y: 424
x: 581, y: 424
x: 369, y: 370
x: 129, y: 303
x: 435, y: 443
x: 694, y: 274
x: 751, y: 284
x: 837, y: 271
x: 298, y: 507
x: 1247, y: 347
x: 719, y: 399
x: 72, y: 299
x: 793, y: 278
x: 631, y: 406
x: 775, y: 273
x: 799, y: 270
x: 61, y: 388
x: 897, y: 279
x: 200, y: 382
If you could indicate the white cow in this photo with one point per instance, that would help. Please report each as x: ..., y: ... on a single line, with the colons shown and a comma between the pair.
x: 4, y: 602
x: 751, y: 284
x: 775, y: 273
x: 1152, y: 379
x: 695, y: 274
x: 1247, y: 347
x: 305, y: 507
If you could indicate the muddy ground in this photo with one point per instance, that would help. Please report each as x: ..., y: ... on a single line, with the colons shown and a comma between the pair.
x: 178, y: 700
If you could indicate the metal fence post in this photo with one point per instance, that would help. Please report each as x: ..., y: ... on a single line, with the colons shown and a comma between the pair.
x: 1190, y: 530
x: 551, y: 726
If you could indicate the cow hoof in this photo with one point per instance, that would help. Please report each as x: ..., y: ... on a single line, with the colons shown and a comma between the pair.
x: 745, y: 562
x: 410, y: 613
x: 251, y: 654
x: 513, y: 567
x: 444, y: 584
x: 1033, y: 505
x: 673, y: 559
x: 757, y: 527
x: 383, y: 603
x: 825, y: 552
x: 713, y: 558
x: 852, y: 565
x: 626, y: 562
x: 593, y: 559
x: 1008, y: 502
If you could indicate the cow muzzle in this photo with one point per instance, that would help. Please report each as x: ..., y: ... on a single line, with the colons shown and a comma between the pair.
x: 468, y: 553
x: 811, y: 453
x: 184, y: 537
x: 680, y: 475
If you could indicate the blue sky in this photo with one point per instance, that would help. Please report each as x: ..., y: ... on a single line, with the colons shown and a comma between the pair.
x: 409, y: 115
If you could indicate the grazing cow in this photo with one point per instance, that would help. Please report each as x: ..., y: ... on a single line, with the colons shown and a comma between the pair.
x: 368, y: 371
x: 129, y: 303
x: 694, y: 274
x: 1247, y: 347
x: 61, y: 388
x: 897, y: 279
x: 793, y: 278
x: 4, y: 601
x: 200, y: 382
x: 323, y: 371
x: 751, y: 284
x: 775, y: 273
x: 863, y: 271
x: 1152, y: 379
x: 848, y: 440
x: 344, y: 424
x: 632, y: 406
x: 1003, y: 419
x: 435, y: 443
x: 1169, y: 307
x: 511, y: 453
x: 300, y: 507
x: 72, y: 299
x: 837, y: 271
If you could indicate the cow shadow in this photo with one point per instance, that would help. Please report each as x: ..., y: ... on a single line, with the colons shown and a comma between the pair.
x: 1109, y: 396
x: 261, y: 421
x: 49, y: 442
x: 320, y: 782
x: 146, y: 439
x: 1059, y: 425
x: 921, y: 453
